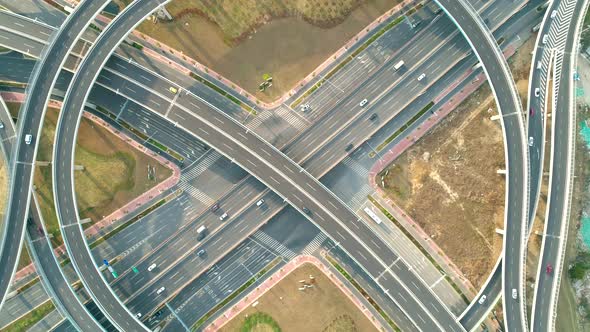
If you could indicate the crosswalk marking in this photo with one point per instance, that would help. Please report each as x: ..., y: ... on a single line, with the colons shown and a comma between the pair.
x: 312, y: 246
x: 275, y: 245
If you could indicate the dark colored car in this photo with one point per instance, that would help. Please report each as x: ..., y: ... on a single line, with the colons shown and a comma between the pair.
x: 306, y: 210
x: 215, y: 207
x: 532, y: 112
x: 373, y: 116
x: 349, y: 147
x: 549, y: 269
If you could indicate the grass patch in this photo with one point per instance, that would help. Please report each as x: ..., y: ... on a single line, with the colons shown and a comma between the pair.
x: 25, y: 258
x: 419, y: 246
x: 405, y: 126
x: 27, y: 285
x: 30, y: 319
x: 347, y: 60
x: 114, y: 173
x: 237, y: 292
x: 260, y: 321
x: 580, y: 266
x: 13, y: 84
x: 363, y: 292
x: 166, y: 149
x: 223, y: 93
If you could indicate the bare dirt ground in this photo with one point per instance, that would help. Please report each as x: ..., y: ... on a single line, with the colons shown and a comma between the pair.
x: 322, y: 308
x: 448, y: 181
x: 246, y: 39
x: 114, y: 172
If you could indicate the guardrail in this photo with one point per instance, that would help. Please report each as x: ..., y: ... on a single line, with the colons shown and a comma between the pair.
x: 517, y: 107
x: 572, y: 118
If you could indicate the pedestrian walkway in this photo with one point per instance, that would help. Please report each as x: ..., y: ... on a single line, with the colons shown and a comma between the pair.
x: 271, y: 281
x: 276, y: 246
x: 107, y: 224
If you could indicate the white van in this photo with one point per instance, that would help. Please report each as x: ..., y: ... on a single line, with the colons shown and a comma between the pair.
x: 28, y: 139
x: 201, y: 232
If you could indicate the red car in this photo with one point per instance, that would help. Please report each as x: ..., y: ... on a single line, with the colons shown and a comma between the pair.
x: 532, y: 112
x: 549, y: 269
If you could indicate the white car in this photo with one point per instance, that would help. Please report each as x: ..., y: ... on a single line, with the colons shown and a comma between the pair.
x: 305, y: 107
x: 160, y: 290
x: 531, y: 141
x: 363, y: 102
x: 537, y: 92
x: 223, y: 216
x: 260, y: 202
x: 514, y: 294
x: 151, y: 267
x: 421, y: 77
x: 1, y: 125
x: 553, y: 14
x: 28, y: 139
x: 482, y: 299
x: 545, y: 39
x: 138, y: 315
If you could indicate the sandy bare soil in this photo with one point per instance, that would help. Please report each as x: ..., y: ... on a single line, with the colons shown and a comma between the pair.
x: 321, y: 308
x: 242, y: 40
x: 448, y: 181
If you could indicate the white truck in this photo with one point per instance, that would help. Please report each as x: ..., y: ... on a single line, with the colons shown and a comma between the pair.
x: 201, y: 233
x: 398, y: 65
x: 372, y: 214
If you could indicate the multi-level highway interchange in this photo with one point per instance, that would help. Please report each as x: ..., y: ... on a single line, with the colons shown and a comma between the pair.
x: 295, y: 166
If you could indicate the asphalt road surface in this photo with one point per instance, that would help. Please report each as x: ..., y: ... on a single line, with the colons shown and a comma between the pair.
x: 66, y: 209
x: 31, y: 120
x: 546, y: 289
x: 517, y: 173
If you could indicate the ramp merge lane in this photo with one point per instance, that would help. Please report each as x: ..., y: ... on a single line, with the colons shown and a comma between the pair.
x: 262, y: 160
x: 30, y: 122
x: 570, y: 16
x: 507, y: 100
x: 41, y: 251
x: 64, y: 148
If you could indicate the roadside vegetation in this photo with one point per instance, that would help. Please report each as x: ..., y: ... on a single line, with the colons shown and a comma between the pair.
x: 447, y: 181
x: 113, y: 174
x: 244, y: 40
x: 573, y: 309
x: 25, y: 258
x: 284, y: 307
x: 30, y: 319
